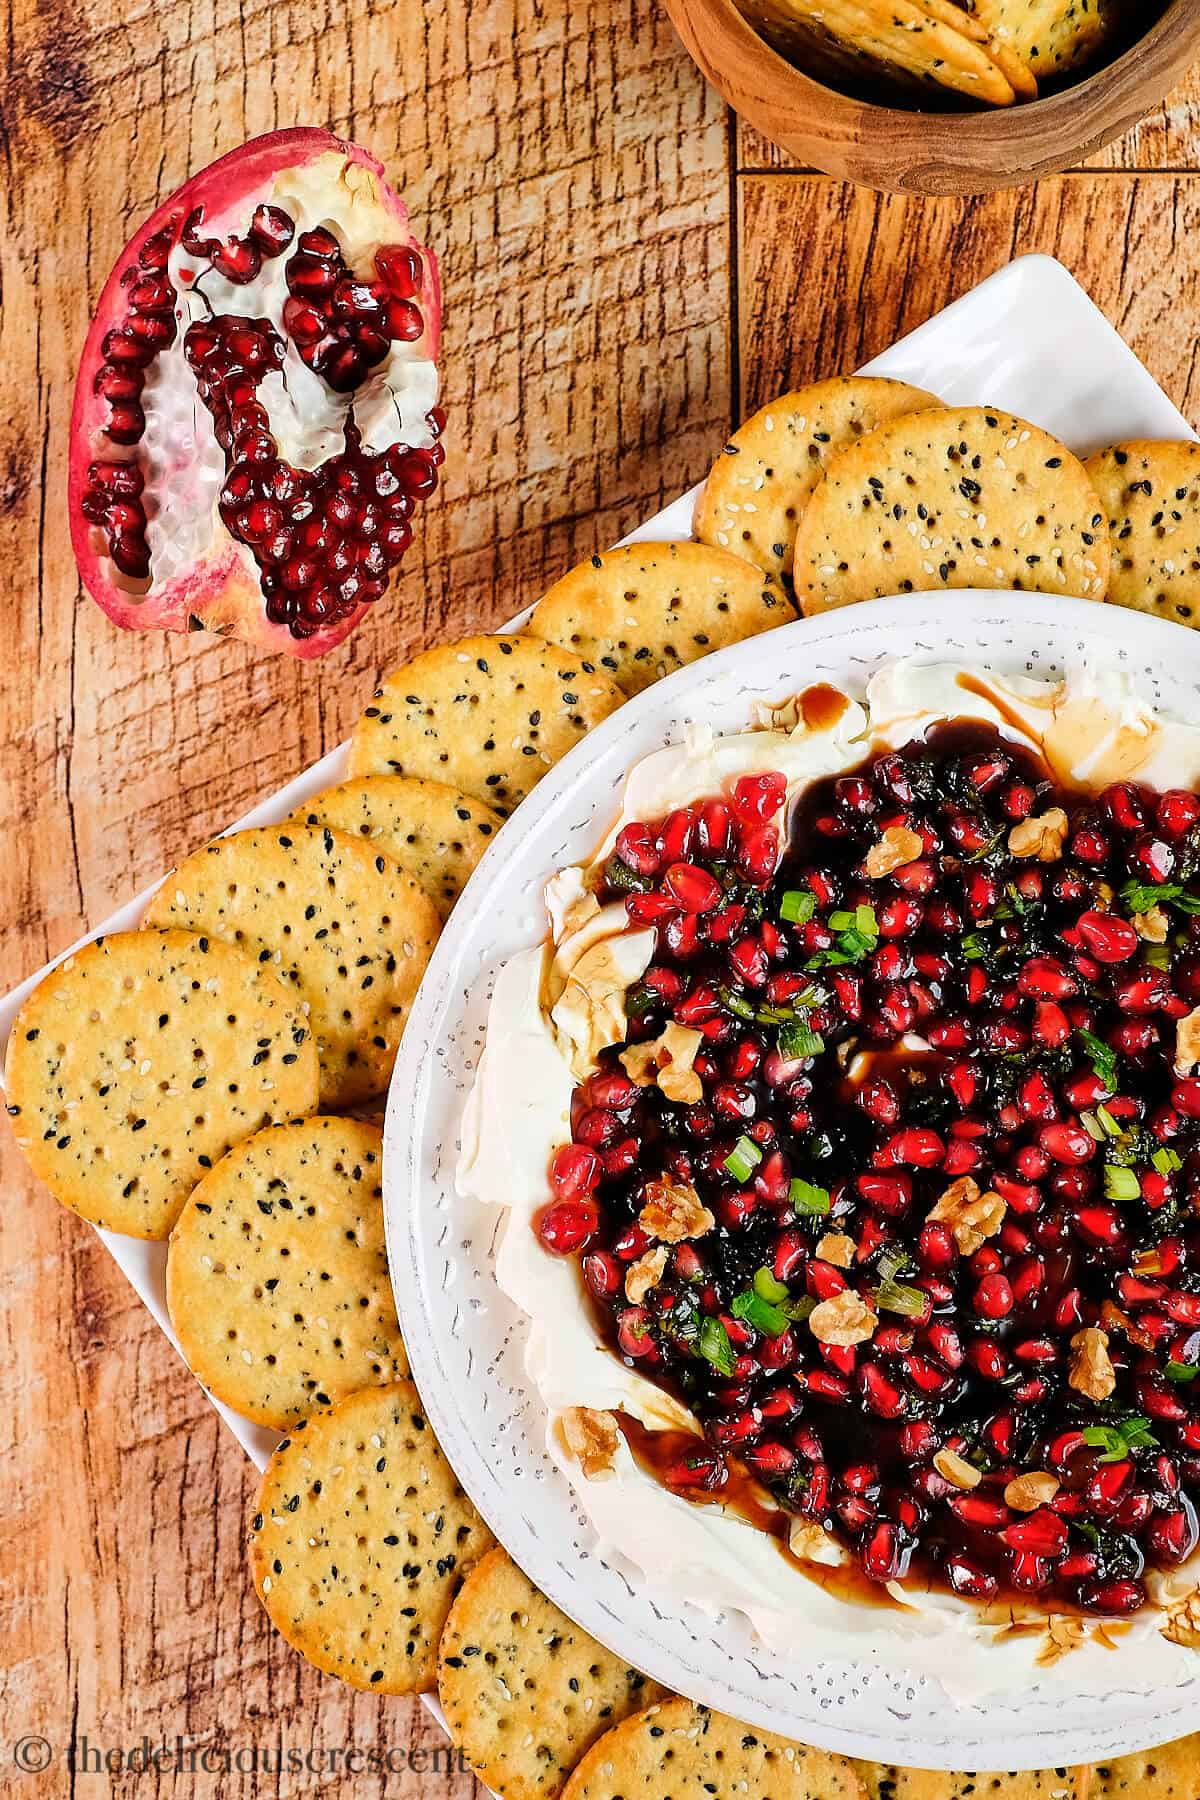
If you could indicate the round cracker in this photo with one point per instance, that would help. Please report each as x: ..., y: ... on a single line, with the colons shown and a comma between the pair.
x: 436, y: 834
x: 640, y: 612
x: 760, y: 484
x: 336, y: 917
x: 690, y: 1753
x: 886, y: 1782
x: 361, y: 1540
x: 489, y: 715
x: 1054, y: 37
x: 893, y: 39
x: 952, y: 498
x: 1151, y: 498
x: 1169, y: 1773
x: 138, y: 1061
x: 525, y: 1692
x: 277, y: 1273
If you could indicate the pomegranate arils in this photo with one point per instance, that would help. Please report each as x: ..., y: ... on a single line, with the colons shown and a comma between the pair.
x: 825, y: 1136
x: 314, y: 585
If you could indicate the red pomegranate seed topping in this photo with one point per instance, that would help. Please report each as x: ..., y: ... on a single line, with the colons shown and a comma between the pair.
x: 568, y: 1226
x: 1036, y: 1123
x: 757, y: 798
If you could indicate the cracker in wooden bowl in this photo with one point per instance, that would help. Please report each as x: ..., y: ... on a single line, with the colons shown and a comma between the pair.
x: 873, y: 40
x: 1054, y: 37
x: 642, y: 611
x: 690, y: 1753
x: 953, y: 498
x: 488, y: 715
x: 525, y: 1692
x: 137, y: 1063
x: 1151, y: 498
x: 436, y: 834
x: 277, y: 1273
x: 886, y: 1782
x: 361, y: 1540
x: 760, y: 484
x: 347, y: 928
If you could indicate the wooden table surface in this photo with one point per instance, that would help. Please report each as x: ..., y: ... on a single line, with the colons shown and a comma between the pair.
x: 627, y: 272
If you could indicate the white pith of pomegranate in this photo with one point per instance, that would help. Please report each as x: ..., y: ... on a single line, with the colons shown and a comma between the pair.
x: 255, y: 417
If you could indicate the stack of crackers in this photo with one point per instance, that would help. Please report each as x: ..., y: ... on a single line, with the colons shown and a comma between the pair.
x: 213, y: 1079
x: 990, y: 52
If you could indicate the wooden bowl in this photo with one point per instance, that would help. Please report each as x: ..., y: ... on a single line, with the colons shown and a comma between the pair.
x: 933, y: 152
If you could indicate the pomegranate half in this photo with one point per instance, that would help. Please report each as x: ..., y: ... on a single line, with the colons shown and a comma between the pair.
x: 255, y: 418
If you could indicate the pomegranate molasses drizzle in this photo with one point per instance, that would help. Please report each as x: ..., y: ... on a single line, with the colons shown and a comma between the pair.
x: 958, y: 992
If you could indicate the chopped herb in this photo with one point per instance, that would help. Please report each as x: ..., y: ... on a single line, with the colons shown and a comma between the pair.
x: 973, y: 946
x: 1121, y: 1184
x: 900, y: 1297
x: 1092, y: 1126
x: 1157, y: 956
x: 640, y: 1000
x: 767, y: 1288
x: 798, y: 1040
x: 1118, y: 1440
x: 1167, y: 1161
x: 737, y: 1004
x: 807, y: 1198
x: 715, y: 1347
x: 797, y: 906
x: 619, y: 875
x: 1178, y: 1371
x: 1102, y: 1057
x: 743, y: 1159
x: 893, y: 1263
x: 1107, y: 1123
x: 857, y: 937
x: 1140, y: 896
x: 771, y: 1320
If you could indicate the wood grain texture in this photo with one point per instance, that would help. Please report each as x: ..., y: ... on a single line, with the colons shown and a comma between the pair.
x: 571, y: 171
x: 830, y: 275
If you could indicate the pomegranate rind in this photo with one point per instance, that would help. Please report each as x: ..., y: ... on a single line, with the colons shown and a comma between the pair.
x: 220, y: 592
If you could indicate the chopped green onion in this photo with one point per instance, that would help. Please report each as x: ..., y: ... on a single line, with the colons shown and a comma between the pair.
x: 1107, y: 1123
x: 841, y: 921
x: 798, y: 1040
x: 900, y: 1297
x: 743, y: 1159
x: 1177, y: 1371
x: 715, y: 1347
x: 1167, y: 1161
x: 1121, y: 1184
x: 767, y: 1288
x: 797, y: 906
x: 737, y: 1004
x: 1157, y: 956
x: 1118, y: 1440
x: 865, y: 920
x: 640, y: 1000
x: 760, y: 1313
x: 894, y: 1262
x: 973, y: 946
x: 798, y: 1310
x: 807, y: 1197
x: 1092, y: 1126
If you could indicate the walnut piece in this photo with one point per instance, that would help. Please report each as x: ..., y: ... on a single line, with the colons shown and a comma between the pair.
x: 674, y: 1211
x: 836, y: 1248
x: 1025, y: 1493
x: 1042, y: 837
x: 1187, y: 1042
x: 1152, y: 925
x: 1091, y: 1371
x: 591, y: 1439
x: 1112, y: 1318
x: 644, y: 1274
x: 843, y: 1320
x: 896, y: 847
x: 1183, y: 1621
x: 972, y: 1217
x: 668, y: 1061
x: 956, y: 1470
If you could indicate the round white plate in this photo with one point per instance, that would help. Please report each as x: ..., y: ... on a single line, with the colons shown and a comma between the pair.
x: 465, y: 1338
